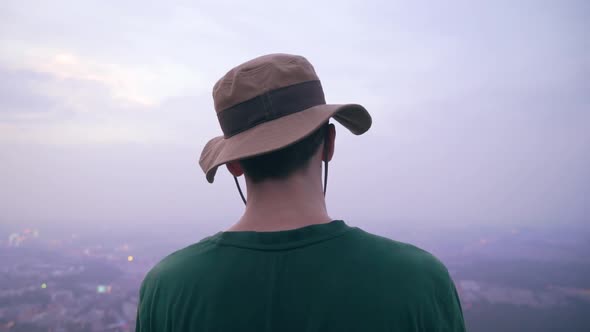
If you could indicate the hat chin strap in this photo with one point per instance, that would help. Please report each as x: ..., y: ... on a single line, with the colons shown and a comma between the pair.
x: 325, y: 169
x: 240, y: 190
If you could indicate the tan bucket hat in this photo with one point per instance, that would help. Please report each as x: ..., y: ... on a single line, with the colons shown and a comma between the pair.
x: 268, y: 103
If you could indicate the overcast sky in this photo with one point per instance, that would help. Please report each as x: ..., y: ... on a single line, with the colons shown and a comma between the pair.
x: 481, y: 109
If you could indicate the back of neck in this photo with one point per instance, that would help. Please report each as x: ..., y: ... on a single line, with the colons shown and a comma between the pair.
x: 283, y: 205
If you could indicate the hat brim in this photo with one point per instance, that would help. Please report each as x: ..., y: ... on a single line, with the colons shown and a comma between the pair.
x: 277, y: 134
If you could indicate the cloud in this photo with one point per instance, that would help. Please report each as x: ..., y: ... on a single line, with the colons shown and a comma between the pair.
x: 16, y: 94
x: 70, y: 108
x: 123, y: 84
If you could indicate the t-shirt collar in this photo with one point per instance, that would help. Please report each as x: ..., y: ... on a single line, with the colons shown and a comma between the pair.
x: 280, y: 240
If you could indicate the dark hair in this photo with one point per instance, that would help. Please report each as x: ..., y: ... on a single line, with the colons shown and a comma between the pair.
x: 280, y: 164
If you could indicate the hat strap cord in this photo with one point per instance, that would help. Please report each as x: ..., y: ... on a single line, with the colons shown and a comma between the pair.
x: 326, y: 140
x: 240, y: 190
x: 325, y: 170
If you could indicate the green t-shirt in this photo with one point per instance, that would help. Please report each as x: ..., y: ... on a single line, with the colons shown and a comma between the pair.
x: 325, y: 277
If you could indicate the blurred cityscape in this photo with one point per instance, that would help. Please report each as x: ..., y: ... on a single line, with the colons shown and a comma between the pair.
x: 67, y: 285
x: 508, y: 279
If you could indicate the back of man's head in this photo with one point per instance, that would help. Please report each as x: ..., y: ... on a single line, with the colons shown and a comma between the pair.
x: 280, y: 164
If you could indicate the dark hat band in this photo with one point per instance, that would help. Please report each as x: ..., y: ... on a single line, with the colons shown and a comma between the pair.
x: 270, y: 106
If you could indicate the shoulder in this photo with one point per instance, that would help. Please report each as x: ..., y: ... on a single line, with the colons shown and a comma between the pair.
x: 398, y: 255
x: 179, y: 263
x: 403, y: 269
x: 419, y: 278
x: 161, y: 285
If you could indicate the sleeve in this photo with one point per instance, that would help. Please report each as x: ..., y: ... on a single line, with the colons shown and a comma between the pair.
x: 454, y: 317
x: 142, y: 317
x: 444, y: 312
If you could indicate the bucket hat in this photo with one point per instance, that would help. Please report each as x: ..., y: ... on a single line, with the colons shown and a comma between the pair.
x: 269, y: 103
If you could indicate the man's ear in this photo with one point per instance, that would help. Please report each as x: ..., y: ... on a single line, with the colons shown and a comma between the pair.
x: 235, y: 168
x: 331, y: 139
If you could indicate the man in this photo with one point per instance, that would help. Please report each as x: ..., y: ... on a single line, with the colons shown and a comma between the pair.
x: 286, y: 265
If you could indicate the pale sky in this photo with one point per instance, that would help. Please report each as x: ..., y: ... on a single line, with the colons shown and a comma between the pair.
x: 481, y: 109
